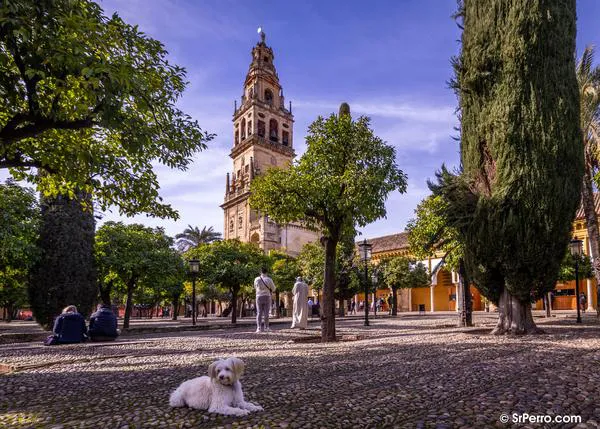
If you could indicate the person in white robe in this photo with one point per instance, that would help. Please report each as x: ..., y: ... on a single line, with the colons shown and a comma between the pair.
x: 300, y: 315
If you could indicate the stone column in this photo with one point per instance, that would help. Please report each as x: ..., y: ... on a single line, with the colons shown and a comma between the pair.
x: 431, y: 296
x: 590, y: 306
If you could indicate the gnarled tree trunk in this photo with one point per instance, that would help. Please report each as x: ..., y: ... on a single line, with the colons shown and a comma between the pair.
x: 514, y: 317
x: 128, y: 304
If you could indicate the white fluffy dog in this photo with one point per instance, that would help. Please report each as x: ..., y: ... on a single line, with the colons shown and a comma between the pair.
x: 220, y: 392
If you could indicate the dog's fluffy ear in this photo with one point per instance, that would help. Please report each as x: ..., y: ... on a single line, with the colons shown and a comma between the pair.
x: 238, y: 366
x: 212, y: 370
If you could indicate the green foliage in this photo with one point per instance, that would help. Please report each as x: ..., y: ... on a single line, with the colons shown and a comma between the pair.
x: 228, y: 264
x: 19, y: 230
x: 430, y: 232
x: 138, y: 256
x: 311, y: 261
x: 284, y: 269
x: 567, y: 267
x: 91, y: 100
x: 513, y: 204
x: 192, y: 236
x: 401, y: 273
x: 65, y: 273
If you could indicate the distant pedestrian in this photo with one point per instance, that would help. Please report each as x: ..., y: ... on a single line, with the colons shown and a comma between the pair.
x: 310, y: 306
x: 390, y: 301
x: 103, y: 324
x: 353, y: 307
x: 582, y: 301
x: 264, y: 287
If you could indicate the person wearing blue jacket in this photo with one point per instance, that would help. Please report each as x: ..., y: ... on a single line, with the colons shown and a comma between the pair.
x: 103, y: 324
x: 69, y: 327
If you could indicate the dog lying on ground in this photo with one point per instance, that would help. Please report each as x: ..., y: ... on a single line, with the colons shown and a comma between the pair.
x: 220, y: 392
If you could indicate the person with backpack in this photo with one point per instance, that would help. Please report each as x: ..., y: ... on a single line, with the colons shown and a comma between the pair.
x: 264, y: 287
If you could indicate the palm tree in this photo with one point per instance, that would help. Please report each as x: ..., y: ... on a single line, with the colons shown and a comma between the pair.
x: 192, y: 236
x: 588, y: 78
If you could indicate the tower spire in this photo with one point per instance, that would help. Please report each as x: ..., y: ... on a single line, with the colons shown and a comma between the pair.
x: 263, y: 36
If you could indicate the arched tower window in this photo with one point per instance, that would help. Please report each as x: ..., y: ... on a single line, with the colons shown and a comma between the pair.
x: 249, y: 128
x: 261, y: 129
x: 243, y: 128
x: 268, y: 96
x: 285, y: 138
x: 273, y: 130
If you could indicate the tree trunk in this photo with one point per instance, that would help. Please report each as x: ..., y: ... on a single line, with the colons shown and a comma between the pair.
x: 128, y: 304
x: 342, y: 307
x: 547, y: 304
x: 234, y: 294
x: 394, y: 301
x: 277, y: 309
x: 105, y: 292
x: 514, y: 317
x: 328, y: 307
x: 591, y: 222
x: 466, y: 313
x: 175, y: 304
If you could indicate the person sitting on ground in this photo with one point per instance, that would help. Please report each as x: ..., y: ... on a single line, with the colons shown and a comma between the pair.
x: 103, y: 324
x: 69, y: 327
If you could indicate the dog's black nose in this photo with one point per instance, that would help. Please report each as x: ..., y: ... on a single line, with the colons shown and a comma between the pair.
x: 221, y: 377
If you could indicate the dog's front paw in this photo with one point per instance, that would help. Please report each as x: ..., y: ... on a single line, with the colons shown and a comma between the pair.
x: 253, y: 407
x: 240, y: 413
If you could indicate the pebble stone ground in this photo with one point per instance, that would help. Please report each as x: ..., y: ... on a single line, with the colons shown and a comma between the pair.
x: 412, y: 371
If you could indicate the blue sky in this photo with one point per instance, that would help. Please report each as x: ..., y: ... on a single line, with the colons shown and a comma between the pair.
x: 389, y: 59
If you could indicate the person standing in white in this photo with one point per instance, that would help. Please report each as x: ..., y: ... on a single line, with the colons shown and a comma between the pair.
x: 300, y: 316
x: 264, y: 287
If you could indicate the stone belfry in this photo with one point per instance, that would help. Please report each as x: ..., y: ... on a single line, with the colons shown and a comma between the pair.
x: 262, y: 139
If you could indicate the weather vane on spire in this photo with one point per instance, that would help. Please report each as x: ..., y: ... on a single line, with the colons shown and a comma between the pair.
x: 262, y: 34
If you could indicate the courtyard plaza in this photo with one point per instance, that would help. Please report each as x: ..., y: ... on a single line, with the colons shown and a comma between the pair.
x: 408, y: 371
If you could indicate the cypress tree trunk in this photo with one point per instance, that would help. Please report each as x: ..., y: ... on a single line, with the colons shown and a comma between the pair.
x: 328, y: 305
x: 514, y: 316
x: 65, y: 274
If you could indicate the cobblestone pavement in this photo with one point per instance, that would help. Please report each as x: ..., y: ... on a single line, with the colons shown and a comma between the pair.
x: 406, y: 372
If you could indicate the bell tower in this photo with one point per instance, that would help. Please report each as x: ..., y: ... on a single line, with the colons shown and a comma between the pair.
x: 262, y: 139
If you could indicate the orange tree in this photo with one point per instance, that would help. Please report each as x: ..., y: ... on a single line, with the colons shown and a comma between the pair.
x: 341, y: 181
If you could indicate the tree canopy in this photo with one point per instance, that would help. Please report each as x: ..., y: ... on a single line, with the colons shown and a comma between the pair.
x: 230, y: 264
x: 91, y: 100
x: 137, y: 255
x: 193, y: 236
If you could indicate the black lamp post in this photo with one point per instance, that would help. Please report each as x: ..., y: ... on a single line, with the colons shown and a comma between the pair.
x: 576, y: 247
x: 365, y: 252
x: 194, y: 268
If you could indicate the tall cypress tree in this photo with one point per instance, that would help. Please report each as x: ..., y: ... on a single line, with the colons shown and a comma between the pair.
x: 65, y: 274
x: 522, y: 161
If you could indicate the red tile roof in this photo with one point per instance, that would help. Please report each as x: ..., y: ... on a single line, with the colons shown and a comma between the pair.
x: 388, y: 243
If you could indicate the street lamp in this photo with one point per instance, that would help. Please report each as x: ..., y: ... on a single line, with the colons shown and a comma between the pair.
x: 194, y: 268
x: 365, y: 252
x: 576, y: 247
